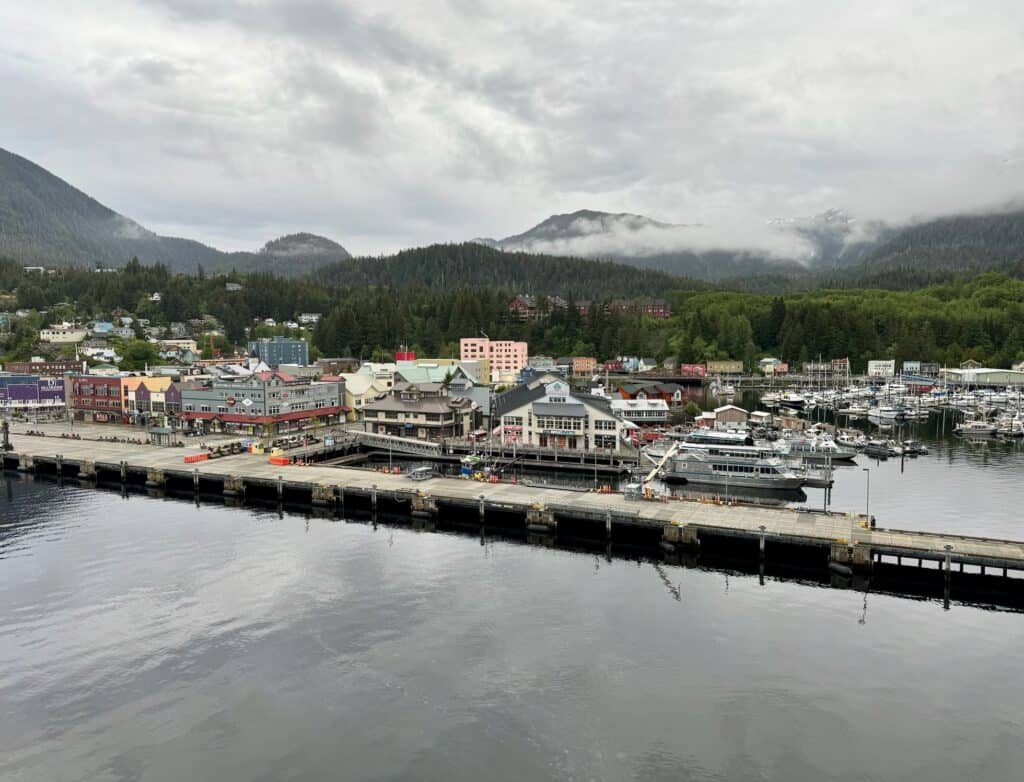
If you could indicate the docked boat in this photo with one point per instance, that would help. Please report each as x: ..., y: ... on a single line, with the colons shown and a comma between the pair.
x: 882, y: 449
x: 914, y: 448
x: 793, y: 400
x: 851, y: 438
x: 976, y: 428
x: 719, y: 437
x: 819, y: 449
x: 694, y: 467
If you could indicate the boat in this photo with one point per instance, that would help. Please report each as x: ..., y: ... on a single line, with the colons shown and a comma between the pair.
x: 882, y: 449
x: 976, y: 428
x: 694, y: 467
x: 887, y: 414
x: 793, y: 401
x: 719, y: 437
x: 914, y: 448
x: 820, y: 449
x: 851, y: 438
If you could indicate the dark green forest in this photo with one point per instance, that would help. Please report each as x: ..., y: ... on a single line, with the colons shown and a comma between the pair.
x: 979, y: 317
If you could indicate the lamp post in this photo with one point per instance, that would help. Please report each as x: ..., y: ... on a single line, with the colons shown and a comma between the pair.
x: 867, y: 495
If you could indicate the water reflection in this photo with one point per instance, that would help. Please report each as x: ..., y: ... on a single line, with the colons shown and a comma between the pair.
x: 148, y: 639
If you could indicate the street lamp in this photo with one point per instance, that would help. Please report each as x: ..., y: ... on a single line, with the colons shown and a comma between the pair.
x: 867, y: 495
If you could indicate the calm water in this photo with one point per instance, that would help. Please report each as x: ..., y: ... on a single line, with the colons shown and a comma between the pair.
x: 146, y: 639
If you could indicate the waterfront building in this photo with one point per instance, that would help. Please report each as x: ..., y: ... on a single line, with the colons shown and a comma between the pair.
x: 548, y: 414
x: 983, y: 376
x: 425, y: 411
x: 137, y: 396
x: 275, y: 351
x: 584, y: 365
x: 265, y: 403
x: 30, y: 394
x: 96, y: 398
x: 642, y: 412
x: 506, y: 357
x: 728, y: 367
x: 671, y: 393
x: 362, y: 388
x: 882, y: 368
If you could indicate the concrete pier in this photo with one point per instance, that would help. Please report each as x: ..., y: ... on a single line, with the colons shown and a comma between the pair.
x: 844, y: 539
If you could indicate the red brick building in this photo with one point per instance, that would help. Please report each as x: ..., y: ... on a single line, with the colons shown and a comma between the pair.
x: 98, y: 399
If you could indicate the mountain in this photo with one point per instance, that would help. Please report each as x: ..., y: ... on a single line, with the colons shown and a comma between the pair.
x: 303, y: 245
x: 45, y: 221
x: 473, y: 265
x: 955, y: 243
x: 636, y: 240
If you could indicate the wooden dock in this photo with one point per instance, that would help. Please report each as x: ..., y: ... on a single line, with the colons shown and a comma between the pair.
x: 847, y: 541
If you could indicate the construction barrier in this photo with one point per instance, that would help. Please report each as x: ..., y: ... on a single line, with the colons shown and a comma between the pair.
x: 279, y: 460
x: 196, y: 457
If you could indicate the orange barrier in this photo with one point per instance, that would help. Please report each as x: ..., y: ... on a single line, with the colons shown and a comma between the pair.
x: 279, y: 460
x: 196, y: 457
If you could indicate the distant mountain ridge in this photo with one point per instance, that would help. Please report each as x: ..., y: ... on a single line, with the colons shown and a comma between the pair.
x: 46, y: 221
x: 838, y: 245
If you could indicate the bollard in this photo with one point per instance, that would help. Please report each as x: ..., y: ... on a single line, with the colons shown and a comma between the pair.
x: 608, y: 524
x: 482, y: 508
x: 373, y: 497
x: 124, y: 471
x: 280, y: 488
x: 195, y: 480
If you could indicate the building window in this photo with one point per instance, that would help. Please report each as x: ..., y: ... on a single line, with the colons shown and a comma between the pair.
x: 204, y: 408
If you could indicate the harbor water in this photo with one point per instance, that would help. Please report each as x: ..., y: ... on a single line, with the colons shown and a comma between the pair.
x: 149, y: 639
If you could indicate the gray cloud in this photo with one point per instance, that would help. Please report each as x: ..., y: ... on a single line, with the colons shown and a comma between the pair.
x: 394, y: 123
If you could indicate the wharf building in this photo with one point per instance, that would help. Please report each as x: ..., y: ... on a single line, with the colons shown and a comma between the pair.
x: 266, y: 403
x: 547, y: 414
x: 426, y: 411
x: 30, y: 394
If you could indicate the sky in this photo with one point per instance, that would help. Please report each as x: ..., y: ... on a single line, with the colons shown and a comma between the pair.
x: 389, y: 124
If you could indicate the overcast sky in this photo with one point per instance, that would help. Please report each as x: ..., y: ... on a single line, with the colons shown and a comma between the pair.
x: 384, y: 124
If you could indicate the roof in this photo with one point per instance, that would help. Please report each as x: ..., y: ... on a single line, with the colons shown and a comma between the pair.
x: 730, y: 407
x: 516, y: 397
x: 284, y: 377
x: 358, y: 383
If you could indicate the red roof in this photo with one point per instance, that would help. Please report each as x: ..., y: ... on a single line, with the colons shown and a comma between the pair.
x: 265, y: 376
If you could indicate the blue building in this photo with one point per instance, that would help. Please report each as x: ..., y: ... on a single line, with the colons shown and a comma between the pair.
x: 274, y: 351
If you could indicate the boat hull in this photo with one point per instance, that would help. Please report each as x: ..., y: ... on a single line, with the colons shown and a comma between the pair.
x: 734, y: 482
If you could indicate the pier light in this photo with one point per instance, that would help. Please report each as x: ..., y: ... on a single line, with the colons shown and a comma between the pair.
x: 867, y: 495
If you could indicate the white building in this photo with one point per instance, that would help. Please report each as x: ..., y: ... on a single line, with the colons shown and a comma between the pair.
x: 551, y: 416
x: 882, y: 368
x: 642, y: 412
x: 63, y: 334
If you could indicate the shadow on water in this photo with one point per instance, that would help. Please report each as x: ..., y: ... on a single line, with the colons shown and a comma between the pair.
x: 797, y: 564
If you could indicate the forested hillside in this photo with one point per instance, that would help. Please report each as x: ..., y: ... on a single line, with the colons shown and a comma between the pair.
x: 958, y: 243
x: 470, y: 265
x: 981, y: 318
